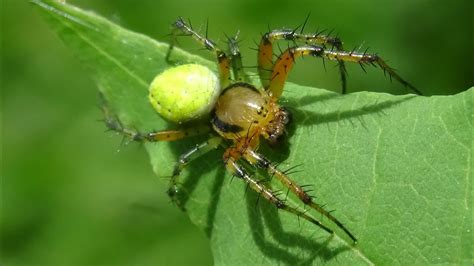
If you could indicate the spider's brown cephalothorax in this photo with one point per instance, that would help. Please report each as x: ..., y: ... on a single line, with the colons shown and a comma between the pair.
x: 244, y: 114
x: 242, y: 110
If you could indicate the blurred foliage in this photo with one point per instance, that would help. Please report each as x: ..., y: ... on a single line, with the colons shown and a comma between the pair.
x: 68, y: 198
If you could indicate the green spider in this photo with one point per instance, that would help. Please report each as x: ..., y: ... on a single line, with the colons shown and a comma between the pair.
x: 241, y: 114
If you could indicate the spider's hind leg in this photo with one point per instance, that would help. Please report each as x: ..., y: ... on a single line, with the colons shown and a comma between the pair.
x: 113, y: 123
x: 265, y: 50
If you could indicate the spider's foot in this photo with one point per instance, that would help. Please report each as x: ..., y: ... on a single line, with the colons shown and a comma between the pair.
x: 173, y: 193
x: 113, y: 124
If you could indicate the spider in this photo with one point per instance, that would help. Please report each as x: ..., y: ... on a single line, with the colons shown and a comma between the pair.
x: 241, y: 115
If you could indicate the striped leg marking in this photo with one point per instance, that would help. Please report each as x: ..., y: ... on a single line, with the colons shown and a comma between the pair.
x: 184, y: 160
x: 285, y: 63
x: 113, y: 123
x: 267, y: 194
x: 261, y: 162
x: 181, y: 28
x: 265, y: 50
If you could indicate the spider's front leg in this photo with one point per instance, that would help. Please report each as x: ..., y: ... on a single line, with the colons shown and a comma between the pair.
x: 286, y: 60
x: 265, y: 50
x: 232, y: 155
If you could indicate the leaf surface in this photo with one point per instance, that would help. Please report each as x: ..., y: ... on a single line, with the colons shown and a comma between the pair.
x: 396, y: 168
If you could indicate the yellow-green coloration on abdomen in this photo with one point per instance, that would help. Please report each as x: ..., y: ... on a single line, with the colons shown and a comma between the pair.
x: 183, y: 93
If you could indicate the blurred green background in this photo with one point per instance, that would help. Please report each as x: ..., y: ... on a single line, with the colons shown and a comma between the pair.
x: 69, y: 198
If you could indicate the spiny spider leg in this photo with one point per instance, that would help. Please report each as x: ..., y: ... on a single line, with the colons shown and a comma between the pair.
x: 113, y: 123
x: 285, y: 62
x: 164, y: 135
x: 181, y: 28
x: 267, y: 194
x: 185, y: 158
x: 261, y: 162
x: 265, y: 50
x: 373, y: 59
x: 236, y: 59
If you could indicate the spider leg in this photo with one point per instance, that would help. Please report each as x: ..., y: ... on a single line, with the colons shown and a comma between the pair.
x: 372, y: 59
x: 260, y: 161
x: 181, y: 28
x: 113, y: 123
x: 184, y: 160
x: 265, y: 51
x: 267, y: 194
x: 286, y: 60
x: 236, y: 59
x: 154, y: 136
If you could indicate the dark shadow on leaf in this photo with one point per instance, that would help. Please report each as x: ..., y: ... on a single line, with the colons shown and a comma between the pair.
x: 278, y: 153
x: 268, y: 232
x: 22, y: 235
x: 309, y: 99
x: 313, y: 118
x: 288, y: 248
x: 215, y: 195
x: 195, y: 170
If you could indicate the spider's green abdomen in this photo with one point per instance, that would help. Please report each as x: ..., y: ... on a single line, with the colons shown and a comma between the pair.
x: 184, y: 93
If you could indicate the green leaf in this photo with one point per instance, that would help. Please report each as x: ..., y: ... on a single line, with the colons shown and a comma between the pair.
x: 396, y: 168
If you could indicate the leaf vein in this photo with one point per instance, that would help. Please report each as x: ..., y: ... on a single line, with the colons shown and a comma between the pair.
x: 93, y: 45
